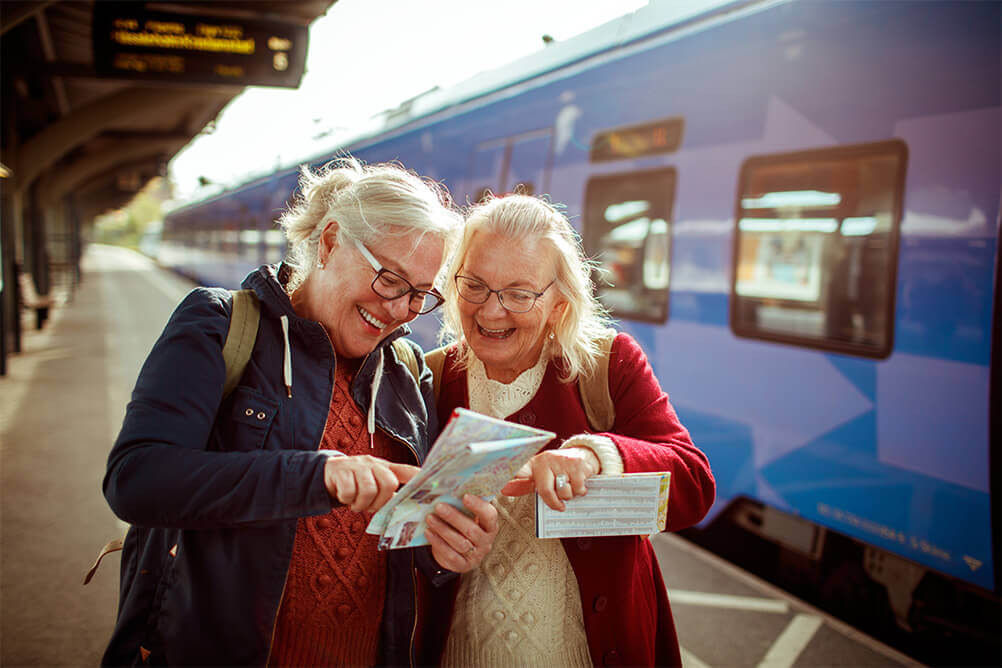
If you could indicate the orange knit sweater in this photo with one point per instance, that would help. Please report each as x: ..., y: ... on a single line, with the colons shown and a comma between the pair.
x: 332, y: 606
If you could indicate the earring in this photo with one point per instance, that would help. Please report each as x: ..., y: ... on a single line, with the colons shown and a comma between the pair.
x: 320, y: 264
x: 551, y: 336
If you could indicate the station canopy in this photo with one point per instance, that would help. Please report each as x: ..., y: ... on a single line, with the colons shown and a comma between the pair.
x: 97, y: 97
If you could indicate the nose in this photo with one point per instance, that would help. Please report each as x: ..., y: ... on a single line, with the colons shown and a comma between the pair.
x: 399, y: 307
x: 492, y: 307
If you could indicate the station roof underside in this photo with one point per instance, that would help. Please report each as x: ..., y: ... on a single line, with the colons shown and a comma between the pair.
x: 72, y: 132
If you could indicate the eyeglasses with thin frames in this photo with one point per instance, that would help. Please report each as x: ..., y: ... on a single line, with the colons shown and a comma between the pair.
x: 389, y: 285
x: 516, y: 300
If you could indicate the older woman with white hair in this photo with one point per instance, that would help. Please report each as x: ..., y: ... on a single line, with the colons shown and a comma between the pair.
x: 528, y: 330
x: 249, y: 508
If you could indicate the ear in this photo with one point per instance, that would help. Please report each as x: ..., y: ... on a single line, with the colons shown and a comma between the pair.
x: 557, y: 314
x: 328, y: 239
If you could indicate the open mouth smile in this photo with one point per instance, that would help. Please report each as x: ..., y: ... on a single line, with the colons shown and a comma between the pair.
x: 495, y: 333
x: 371, y: 319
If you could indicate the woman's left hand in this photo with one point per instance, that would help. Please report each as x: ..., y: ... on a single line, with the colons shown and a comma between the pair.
x: 556, y: 475
x: 459, y: 542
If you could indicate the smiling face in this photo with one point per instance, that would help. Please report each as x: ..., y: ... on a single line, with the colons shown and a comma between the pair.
x: 509, y: 343
x: 340, y: 295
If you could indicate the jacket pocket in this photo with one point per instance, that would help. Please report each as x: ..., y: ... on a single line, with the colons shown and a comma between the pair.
x: 251, y: 418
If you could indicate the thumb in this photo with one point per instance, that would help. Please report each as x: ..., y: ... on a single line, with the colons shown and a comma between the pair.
x: 404, y: 472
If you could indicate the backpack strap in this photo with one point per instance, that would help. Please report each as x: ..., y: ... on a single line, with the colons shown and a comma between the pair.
x: 241, y: 336
x: 594, y: 388
x: 237, y: 351
x: 406, y: 355
x: 435, y: 361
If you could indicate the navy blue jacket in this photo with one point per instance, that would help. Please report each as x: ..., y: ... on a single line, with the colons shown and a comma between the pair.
x: 213, y: 486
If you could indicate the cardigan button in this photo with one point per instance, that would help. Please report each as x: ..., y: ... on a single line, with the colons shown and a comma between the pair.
x: 611, y: 658
x: 600, y: 603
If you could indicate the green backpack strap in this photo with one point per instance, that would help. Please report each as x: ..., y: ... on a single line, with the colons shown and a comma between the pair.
x: 435, y: 361
x: 241, y: 337
x: 594, y: 389
x: 236, y: 353
x: 406, y: 355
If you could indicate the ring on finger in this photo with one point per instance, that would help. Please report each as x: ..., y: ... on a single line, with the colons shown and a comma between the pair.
x: 561, y: 481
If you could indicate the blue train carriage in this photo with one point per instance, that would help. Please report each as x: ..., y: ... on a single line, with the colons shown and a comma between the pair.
x: 795, y: 209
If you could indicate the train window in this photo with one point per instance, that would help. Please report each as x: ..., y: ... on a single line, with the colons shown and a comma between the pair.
x: 518, y: 164
x: 816, y: 245
x: 627, y: 230
x: 274, y: 241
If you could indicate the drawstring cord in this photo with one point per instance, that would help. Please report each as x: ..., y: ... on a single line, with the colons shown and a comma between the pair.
x: 371, y: 418
x: 287, y: 371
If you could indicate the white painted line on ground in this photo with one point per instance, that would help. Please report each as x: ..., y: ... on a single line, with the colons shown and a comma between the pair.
x: 727, y: 601
x: 791, y: 642
x: 761, y: 585
x: 690, y: 660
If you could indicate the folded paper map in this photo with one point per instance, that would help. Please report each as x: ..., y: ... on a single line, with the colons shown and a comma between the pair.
x: 474, y: 454
x: 615, y: 505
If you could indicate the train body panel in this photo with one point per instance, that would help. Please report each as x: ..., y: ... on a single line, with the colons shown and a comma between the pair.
x: 796, y: 208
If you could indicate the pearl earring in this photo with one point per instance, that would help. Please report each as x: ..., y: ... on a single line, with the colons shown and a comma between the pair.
x: 320, y: 264
x: 551, y: 336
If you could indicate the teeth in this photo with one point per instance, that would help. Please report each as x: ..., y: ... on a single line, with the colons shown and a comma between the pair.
x: 371, y: 319
x: 494, y: 331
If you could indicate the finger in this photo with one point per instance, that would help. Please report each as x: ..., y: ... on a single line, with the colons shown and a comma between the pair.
x: 404, y: 472
x: 344, y: 481
x: 367, y: 489
x: 443, y: 552
x: 386, y: 485
x: 545, y: 481
x: 485, y: 514
x: 453, y: 538
x: 578, y: 484
x: 562, y: 486
x: 518, y: 487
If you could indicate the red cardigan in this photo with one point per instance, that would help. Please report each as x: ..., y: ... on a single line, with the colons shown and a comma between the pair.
x: 627, y: 617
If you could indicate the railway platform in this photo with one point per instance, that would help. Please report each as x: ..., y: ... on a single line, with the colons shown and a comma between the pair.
x: 61, y: 404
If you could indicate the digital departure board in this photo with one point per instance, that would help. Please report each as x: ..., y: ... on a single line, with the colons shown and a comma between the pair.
x: 132, y: 43
x: 663, y: 136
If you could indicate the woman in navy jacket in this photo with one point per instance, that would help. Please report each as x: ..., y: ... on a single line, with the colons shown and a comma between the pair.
x: 248, y: 511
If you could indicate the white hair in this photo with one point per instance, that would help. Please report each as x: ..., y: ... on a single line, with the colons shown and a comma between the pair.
x: 368, y: 202
x: 583, y: 321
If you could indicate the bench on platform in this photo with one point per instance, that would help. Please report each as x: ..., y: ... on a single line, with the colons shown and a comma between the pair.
x: 30, y: 299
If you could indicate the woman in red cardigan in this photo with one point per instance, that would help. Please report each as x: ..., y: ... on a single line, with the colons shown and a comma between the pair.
x: 526, y: 325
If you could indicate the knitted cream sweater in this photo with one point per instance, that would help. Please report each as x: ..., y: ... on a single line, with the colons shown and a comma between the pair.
x: 522, y: 606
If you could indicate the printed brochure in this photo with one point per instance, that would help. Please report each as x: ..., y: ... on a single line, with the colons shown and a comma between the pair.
x: 615, y: 505
x: 474, y: 454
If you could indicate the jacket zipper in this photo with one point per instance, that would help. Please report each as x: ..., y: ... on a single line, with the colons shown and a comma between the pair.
x: 414, y: 585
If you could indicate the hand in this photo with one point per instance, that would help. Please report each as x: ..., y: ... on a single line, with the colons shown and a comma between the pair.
x: 364, y: 483
x: 542, y: 471
x: 459, y: 542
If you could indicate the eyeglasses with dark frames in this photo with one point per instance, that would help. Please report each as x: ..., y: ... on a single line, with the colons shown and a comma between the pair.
x: 516, y: 300
x: 390, y: 286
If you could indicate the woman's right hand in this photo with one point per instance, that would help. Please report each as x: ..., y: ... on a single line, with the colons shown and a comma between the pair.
x: 365, y: 483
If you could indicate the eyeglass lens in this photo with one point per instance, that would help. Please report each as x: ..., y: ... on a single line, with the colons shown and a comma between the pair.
x: 513, y: 299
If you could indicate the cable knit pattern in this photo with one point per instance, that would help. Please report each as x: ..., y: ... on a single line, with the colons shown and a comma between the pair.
x: 334, y: 593
x: 522, y: 605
